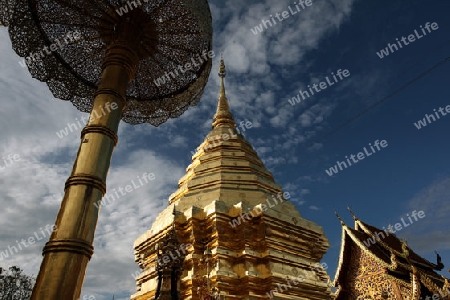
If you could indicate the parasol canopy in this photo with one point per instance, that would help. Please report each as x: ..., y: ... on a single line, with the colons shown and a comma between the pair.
x: 63, y: 43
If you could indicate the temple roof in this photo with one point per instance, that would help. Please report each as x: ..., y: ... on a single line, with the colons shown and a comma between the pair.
x: 389, y: 251
x: 394, y: 244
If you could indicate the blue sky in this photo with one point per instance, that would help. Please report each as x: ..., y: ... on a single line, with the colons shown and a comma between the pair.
x: 264, y: 71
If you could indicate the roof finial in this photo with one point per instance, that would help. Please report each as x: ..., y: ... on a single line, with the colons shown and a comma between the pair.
x: 223, y: 116
x: 353, y: 215
x: 339, y: 217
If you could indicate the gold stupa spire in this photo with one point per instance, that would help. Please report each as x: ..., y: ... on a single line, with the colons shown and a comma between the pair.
x: 225, y: 181
x: 223, y: 116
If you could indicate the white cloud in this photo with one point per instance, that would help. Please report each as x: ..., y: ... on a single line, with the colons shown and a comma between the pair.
x: 305, y: 192
x: 431, y: 232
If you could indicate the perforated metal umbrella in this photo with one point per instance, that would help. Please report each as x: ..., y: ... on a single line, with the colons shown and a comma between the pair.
x: 139, y: 61
x: 164, y: 34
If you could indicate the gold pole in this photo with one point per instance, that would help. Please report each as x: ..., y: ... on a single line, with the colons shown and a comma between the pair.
x: 69, y: 249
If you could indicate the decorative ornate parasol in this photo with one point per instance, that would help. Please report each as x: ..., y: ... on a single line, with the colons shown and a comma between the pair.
x: 139, y: 61
x: 166, y: 35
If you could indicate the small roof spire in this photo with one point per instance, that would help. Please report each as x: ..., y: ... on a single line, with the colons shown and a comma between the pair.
x: 223, y: 116
x: 339, y: 217
x: 352, y: 213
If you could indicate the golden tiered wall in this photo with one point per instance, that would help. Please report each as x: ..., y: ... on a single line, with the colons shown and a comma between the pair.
x: 251, y: 258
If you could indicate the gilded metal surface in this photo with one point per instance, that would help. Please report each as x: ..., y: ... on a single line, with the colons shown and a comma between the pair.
x: 74, y: 245
x: 86, y: 179
x: 67, y: 253
x: 254, y: 256
x: 102, y: 130
x: 223, y: 116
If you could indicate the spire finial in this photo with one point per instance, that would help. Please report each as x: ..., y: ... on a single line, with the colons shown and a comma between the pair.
x: 339, y: 217
x: 223, y: 116
x: 222, y: 75
x: 222, y: 69
x: 352, y: 213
